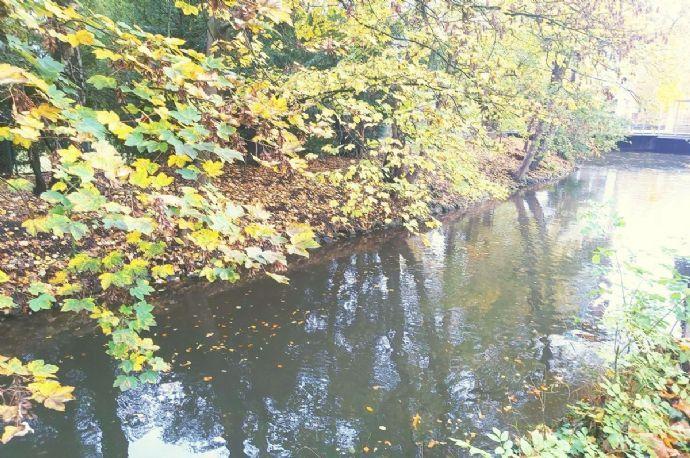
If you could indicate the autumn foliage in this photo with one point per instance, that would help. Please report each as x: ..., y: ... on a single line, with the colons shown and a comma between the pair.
x: 140, y: 130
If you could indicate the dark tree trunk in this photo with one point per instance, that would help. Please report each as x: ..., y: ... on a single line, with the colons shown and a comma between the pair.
x: 394, y: 172
x: 35, y: 163
x: 7, y: 158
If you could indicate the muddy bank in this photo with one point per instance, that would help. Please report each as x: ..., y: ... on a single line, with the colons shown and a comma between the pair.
x: 289, y: 197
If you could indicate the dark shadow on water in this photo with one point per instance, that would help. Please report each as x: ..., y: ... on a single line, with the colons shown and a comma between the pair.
x: 455, y: 329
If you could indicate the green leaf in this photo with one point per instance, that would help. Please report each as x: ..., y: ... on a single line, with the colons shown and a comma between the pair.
x: 158, y: 364
x: 148, y: 377
x: 77, y: 305
x: 135, y: 138
x: 129, y: 223
x: 6, y: 302
x: 49, y: 68
x: 141, y: 290
x: 86, y: 200
x: 39, y: 368
x: 143, y: 308
x: 58, y: 224
x: 227, y: 154
x: 188, y: 173
x: 224, y: 130
x: 127, y: 366
x: 82, y: 170
x: 189, y: 115
x: 82, y: 262
x: 114, y: 259
x: 54, y: 197
x: 78, y: 230
x: 101, y: 81
x: 89, y: 124
x: 43, y: 302
x: 19, y: 184
x: 125, y: 382
x: 38, y: 287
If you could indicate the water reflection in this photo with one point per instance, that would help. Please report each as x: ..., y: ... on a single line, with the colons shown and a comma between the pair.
x: 456, y: 329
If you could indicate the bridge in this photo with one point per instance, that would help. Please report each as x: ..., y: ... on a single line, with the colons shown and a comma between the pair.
x: 665, y: 132
x: 658, y: 139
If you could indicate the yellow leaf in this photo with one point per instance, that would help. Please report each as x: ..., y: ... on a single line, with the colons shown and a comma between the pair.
x: 190, y: 70
x: 207, y: 239
x: 80, y: 37
x: 138, y: 362
x: 133, y: 237
x: 4, y: 278
x: 9, y: 432
x: 416, y: 420
x: 178, y: 160
x: 69, y: 154
x: 140, y: 178
x: 13, y: 367
x: 185, y: 224
x: 46, y: 111
x: 10, y: 74
x: 279, y: 278
x: 9, y: 413
x: 107, y: 117
x: 161, y: 180
x: 51, y: 393
x: 59, y: 278
x: 120, y: 130
x: 163, y: 271
x: 213, y: 168
x: 186, y: 8
x: 21, y: 141
x: 59, y: 186
x: 106, y: 54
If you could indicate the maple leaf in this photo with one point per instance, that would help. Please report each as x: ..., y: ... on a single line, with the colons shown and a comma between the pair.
x: 51, y: 393
x: 213, y: 168
x: 416, y: 420
x: 80, y: 37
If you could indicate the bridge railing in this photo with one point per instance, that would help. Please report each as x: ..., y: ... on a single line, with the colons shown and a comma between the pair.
x: 646, y: 129
x: 659, y: 129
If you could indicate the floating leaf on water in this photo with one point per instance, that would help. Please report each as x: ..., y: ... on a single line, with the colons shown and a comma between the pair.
x: 416, y: 420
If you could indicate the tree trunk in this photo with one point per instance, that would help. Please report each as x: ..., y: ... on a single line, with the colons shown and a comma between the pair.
x: 543, y: 130
x: 542, y: 150
x: 7, y: 153
x: 532, y: 148
x: 7, y: 158
x: 35, y: 163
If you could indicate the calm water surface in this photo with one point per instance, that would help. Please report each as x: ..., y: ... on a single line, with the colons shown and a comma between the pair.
x: 458, y: 330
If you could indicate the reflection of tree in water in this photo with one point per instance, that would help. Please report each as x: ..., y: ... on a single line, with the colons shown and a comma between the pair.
x: 393, y: 322
x: 406, y: 329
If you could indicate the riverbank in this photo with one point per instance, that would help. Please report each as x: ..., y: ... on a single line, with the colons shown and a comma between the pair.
x: 289, y: 197
x: 640, y: 405
x: 374, y: 320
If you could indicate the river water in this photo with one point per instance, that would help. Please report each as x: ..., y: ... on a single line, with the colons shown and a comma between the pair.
x: 391, y: 345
